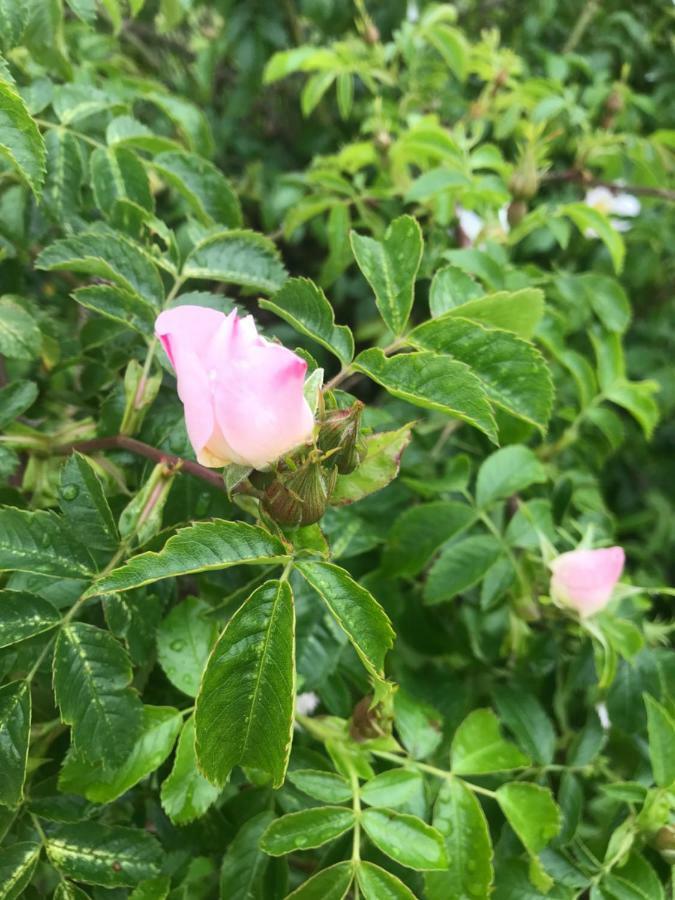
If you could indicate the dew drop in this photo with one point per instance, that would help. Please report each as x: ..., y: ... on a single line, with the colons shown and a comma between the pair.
x: 178, y: 644
x: 301, y: 841
x: 70, y: 491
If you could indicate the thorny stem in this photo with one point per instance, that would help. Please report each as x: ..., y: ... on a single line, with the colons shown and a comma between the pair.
x: 585, y: 17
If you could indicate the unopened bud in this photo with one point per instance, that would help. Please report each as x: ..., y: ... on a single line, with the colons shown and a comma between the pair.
x: 524, y: 182
x: 340, y: 432
x: 299, y: 497
x: 382, y: 140
x: 517, y: 210
x: 371, y: 33
x: 664, y: 842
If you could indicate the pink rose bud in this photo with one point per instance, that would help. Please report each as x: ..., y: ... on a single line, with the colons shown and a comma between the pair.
x: 243, y: 396
x: 585, y: 579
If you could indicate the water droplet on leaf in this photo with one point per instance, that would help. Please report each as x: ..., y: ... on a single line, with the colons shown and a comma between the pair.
x: 70, y: 491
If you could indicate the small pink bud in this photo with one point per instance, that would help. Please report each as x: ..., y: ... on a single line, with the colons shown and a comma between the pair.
x: 585, y: 579
x: 243, y: 396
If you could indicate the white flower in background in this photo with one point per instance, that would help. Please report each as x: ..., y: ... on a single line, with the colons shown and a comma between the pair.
x: 473, y: 226
x: 306, y: 703
x: 606, y: 201
x: 413, y: 11
x: 603, y: 716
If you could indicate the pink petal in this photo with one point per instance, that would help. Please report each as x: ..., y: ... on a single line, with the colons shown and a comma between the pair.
x: 190, y: 327
x: 194, y: 389
x: 585, y: 579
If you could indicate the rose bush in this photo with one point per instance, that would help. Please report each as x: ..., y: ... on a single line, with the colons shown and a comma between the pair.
x: 336, y: 393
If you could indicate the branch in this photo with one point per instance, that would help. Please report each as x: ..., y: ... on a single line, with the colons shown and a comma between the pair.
x: 576, y: 175
x: 122, y: 442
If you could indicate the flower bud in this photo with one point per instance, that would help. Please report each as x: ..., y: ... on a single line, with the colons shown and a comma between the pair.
x: 299, y: 497
x: 585, y: 579
x: 340, y: 436
x: 517, y: 210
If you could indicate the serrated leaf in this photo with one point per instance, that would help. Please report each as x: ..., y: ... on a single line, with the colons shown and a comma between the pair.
x: 420, y: 531
x: 190, y: 121
x: 201, y: 547
x: 406, y: 839
x: 506, y: 472
x: 64, y: 174
x: 108, y: 855
x: 20, y: 140
x: 661, y: 730
x: 452, y: 46
x: 15, y: 399
x: 432, y: 381
x: 592, y: 220
x: 512, y: 371
x: 118, y: 174
x: 158, y: 734
x: 125, y: 131
x: 376, y: 470
x: 38, y: 542
x: 390, y: 267
x: 202, y: 185
x: 305, y: 306
x: 244, y: 709
x: 392, y: 788
x: 238, y: 257
x: 92, y: 675
x: 15, y: 720
x: 85, y: 507
x: 478, y: 747
x: 329, y: 884
x: 451, y: 287
x: 325, y: 786
x: 186, y: 794
x: 306, y: 829
x: 460, y: 819
x: 460, y: 566
x: 522, y: 713
x: 17, y: 864
x: 419, y: 725
x: 516, y: 311
x: 244, y: 862
x: 184, y: 641
x: 119, y: 305
x: 355, y: 610
x: 20, y: 337
x: 109, y: 255
x: 532, y: 813
x: 23, y: 615
x: 378, y: 884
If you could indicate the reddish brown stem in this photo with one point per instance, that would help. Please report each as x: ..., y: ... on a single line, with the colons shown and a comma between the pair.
x: 584, y: 178
x: 122, y: 442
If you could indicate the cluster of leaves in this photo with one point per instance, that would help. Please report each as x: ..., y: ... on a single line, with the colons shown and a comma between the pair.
x: 471, y: 738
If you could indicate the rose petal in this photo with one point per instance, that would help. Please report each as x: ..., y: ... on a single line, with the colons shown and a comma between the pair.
x: 585, y: 579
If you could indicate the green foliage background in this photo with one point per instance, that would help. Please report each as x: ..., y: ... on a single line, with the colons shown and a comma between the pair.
x: 305, y: 161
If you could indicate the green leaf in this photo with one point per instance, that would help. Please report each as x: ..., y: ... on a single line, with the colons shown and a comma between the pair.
x: 355, y: 610
x: 65, y: 890
x: 376, y: 470
x: 92, y: 675
x: 460, y: 819
x: 325, y: 786
x: 184, y: 641
x: 65, y: 170
x: 406, y: 839
x: 38, y: 542
x: 525, y: 716
x: 188, y: 118
x: 304, y: 306
x: 20, y: 338
x: 420, y: 531
x: 390, y: 267
x: 637, y: 397
x: 478, y: 747
x: 392, y: 788
x: 23, y: 615
x: 119, y: 305
x: 506, y: 472
x: 451, y: 287
x: 452, y: 46
x: 608, y: 300
x: 531, y: 812
x: 202, y: 185
x: 125, y: 131
x: 85, y: 507
x: 512, y: 371
x: 460, y: 566
x: 588, y: 219
x: 15, y: 714
x: 15, y: 399
x: 159, y: 731
x: 118, y: 174
x: 186, y: 794
x: 661, y: 730
x: 109, y: 255
x: 244, y: 710
x: 378, y: 884
x: 329, y: 884
x: 244, y: 863
x: 635, y: 879
x: 201, y: 547
x: 108, y: 855
x: 20, y: 140
x: 237, y: 257
x: 434, y: 382
x: 306, y: 829
x: 516, y: 311
x: 17, y: 864
x: 151, y: 889
x: 419, y: 725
